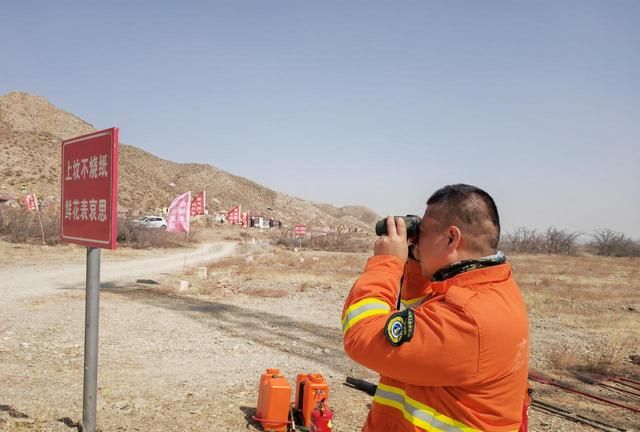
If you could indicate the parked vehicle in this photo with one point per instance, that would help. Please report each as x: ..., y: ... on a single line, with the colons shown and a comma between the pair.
x: 152, y: 222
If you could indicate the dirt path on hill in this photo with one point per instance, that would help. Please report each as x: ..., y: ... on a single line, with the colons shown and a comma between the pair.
x: 32, y: 279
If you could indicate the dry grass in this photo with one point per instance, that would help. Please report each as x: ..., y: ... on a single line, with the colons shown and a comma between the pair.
x: 284, y: 262
x: 604, y: 354
x: 595, y: 299
x: 337, y: 241
x: 274, y: 273
x: 560, y: 358
x: 584, y: 311
x: 267, y: 293
x: 22, y: 226
x: 589, y: 279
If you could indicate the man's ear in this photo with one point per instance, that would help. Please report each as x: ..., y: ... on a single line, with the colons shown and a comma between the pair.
x: 455, y: 236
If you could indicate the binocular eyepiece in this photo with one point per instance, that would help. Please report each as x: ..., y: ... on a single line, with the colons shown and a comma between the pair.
x: 412, y: 223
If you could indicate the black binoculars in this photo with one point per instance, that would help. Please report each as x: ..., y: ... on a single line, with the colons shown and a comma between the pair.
x: 412, y: 223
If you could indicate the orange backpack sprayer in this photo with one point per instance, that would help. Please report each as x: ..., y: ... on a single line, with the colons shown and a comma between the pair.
x: 311, y: 390
x: 273, y: 401
x: 310, y: 409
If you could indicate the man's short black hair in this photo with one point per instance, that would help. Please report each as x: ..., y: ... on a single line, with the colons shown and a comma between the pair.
x: 472, y: 210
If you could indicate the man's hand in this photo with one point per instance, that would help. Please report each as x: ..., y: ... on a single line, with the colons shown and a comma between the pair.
x: 395, y: 242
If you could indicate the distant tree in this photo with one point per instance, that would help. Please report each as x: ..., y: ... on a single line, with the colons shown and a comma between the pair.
x: 608, y: 242
x: 522, y: 240
x: 552, y: 241
x: 560, y: 242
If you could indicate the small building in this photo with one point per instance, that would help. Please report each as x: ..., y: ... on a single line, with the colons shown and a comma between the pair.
x: 264, y: 222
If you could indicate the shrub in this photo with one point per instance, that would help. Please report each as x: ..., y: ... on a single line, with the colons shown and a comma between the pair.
x: 560, y: 242
x: 608, y: 242
x: 51, y: 225
x: 523, y: 240
x: 552, y: 241
x: 18, y: 225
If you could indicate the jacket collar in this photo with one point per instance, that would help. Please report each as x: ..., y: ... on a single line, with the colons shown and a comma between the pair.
x: 470, y: 264
x: 494, y: 273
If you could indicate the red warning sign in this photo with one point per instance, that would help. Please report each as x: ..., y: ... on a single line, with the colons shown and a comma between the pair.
x: 89, y: 183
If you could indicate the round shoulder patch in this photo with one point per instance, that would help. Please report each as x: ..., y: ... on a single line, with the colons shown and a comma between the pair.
x: 399, y: 327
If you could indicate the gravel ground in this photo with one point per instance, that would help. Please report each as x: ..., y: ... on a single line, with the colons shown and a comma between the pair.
x: 190, y: 361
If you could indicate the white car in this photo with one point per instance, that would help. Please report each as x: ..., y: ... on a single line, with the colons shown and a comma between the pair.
x: 153, y: 222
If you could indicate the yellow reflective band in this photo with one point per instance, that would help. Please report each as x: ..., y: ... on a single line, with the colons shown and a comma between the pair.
x: 418, y: 413
x: 412, y: 302
x: 363, y: 309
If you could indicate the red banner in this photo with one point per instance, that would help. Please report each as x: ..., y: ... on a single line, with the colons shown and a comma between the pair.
x: 233, y: 216
x: 30, y: 202
x: 199, y: 204
x: 89, y: 195
x: 178, y: 216
x: 300, y: 230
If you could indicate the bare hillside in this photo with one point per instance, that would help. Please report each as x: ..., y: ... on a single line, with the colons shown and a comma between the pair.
x: 30, y: 132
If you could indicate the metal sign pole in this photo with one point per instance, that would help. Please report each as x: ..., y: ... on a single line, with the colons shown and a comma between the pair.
x: 41, y: 228
x: 92, y: 306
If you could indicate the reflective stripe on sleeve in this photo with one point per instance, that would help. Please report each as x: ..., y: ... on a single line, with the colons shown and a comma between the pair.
x: 412, y: 302
x: 363, y: 309
x: 418, y: 413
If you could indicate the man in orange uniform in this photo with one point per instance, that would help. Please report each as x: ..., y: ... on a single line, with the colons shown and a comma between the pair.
x: 456, y: 359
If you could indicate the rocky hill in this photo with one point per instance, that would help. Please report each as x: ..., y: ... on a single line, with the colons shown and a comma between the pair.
x: 30, y: 133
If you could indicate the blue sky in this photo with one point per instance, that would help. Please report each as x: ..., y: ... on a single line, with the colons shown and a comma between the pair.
x: 372, y: 103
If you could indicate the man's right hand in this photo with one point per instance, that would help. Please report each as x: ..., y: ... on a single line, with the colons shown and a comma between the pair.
x: 395, y: 242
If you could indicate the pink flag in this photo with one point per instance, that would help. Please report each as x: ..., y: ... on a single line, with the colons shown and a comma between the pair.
x: 179, y: 213
x: 233, y: 216
x: 199, y: 204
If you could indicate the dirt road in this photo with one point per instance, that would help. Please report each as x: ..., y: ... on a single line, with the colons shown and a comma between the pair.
x: 32, y: 278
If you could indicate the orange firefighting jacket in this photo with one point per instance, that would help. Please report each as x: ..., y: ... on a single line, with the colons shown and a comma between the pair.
x: 415, y: 287
x: 464, y: 368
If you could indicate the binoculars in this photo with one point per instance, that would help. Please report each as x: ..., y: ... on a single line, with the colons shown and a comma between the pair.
x: 412, y: 223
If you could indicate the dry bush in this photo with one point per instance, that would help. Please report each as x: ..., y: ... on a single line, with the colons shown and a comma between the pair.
x: 560, y: 242
x: 23, y: 226
x: 609, y: 354
x: 208, y: 288
x: 607, y: 242
x: 51, y: 225
x: 522, y: 240
x: 552, y: 241
x: 305, y: 286
x: 604, y: 355
x: 282, y: 236
x: 561, y: 358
